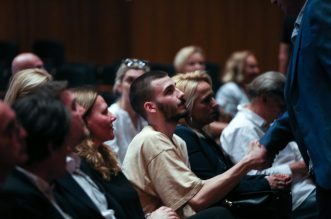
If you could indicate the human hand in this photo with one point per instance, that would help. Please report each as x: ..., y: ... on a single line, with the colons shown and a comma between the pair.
x: 163, y: 213
x: 258, y: 156
x: 279, y: 181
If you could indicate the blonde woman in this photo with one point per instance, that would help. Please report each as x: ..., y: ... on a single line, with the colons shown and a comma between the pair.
x: 24, y: 82
x: 241, y: 68
x: 190, y: 58
x: 206, y: 158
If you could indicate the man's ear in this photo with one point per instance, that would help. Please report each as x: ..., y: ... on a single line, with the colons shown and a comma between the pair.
x: 150, y: 107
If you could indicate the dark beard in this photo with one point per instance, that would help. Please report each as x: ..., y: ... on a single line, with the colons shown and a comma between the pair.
x: 171, y: 113
x: 178, y: 116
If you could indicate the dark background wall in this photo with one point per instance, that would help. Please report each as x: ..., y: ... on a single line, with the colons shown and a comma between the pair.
x: 104, y: 31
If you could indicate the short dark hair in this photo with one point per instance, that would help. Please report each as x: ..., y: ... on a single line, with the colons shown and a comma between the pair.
x: 46, y: 121
x: 141, y: 90
x: 53, y: 89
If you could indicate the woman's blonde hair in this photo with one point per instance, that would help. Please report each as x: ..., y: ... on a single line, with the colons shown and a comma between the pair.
x: 234, y: 67
x: 183, y: 54
x: 188, y: 84
x: 101, y: 157
x: 24, y: 82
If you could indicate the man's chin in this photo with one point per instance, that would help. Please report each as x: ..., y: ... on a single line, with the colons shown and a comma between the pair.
x: 180, y: 116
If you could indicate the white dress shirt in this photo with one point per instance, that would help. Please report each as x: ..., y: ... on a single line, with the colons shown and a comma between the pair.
x: 89, y: 187
x: 247, y: 126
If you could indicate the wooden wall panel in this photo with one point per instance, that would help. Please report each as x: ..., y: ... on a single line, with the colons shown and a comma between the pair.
x: 219, y: 26
x: 104, y: 31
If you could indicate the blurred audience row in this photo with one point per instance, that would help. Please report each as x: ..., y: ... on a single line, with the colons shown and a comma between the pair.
x: 163, y: 147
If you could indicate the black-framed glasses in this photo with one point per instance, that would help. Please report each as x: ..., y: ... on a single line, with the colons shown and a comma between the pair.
x: 136, y: 63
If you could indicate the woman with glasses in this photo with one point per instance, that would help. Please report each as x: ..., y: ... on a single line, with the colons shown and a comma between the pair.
x: 128, y: 123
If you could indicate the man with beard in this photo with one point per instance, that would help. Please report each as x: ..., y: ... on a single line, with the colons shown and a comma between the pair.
x: 157, y: 162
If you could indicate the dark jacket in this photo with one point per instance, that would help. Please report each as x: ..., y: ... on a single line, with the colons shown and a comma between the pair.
x: 208, y: 160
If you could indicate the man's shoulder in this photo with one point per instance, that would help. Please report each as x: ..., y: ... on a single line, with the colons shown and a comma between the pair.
x: 16, y: 182
x: 150, y: 136
x: 150, y: 142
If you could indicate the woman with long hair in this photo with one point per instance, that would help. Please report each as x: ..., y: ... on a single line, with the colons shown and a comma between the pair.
x: 99, y: 162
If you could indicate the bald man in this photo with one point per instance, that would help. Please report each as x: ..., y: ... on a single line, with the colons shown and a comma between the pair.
x: 25, y: 61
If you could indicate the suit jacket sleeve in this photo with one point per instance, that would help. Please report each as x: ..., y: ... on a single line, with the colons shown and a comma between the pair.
x: 278, y: 135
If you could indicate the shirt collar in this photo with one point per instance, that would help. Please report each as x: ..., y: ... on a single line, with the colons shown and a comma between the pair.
x: 253, y: 117
x: 72, y: 162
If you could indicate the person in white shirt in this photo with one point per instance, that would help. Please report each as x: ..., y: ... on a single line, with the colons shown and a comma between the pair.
x: 252, y: 121
x: 128, y: 123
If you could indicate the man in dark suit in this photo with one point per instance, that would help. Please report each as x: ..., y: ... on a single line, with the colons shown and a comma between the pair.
x: 47, y: 123
x: 307, y: 94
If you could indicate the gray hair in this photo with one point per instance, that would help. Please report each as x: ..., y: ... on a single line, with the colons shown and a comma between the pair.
x: 271, y: 83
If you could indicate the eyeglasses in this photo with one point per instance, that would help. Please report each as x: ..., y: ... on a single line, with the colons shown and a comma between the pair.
x: 136, y: 63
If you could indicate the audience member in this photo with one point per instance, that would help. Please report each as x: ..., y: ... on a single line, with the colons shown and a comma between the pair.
x: 25, y: 82
x: 25, y: 61
x: 190, y: 58
x: 157, y: 162
x: 251, y: 122
x: 96, y: 175
x: 47, y: 123
x: 58, y: 90
x: 241, y: 68
x: 128, y: 123
x: 206, y: 158
x: 12, y: 141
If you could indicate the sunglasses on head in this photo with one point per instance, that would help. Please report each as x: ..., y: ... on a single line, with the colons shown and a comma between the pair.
x: 136, y: 63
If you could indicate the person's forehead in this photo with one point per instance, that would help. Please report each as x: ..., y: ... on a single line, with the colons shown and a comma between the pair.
x: 162, y: 83
x: 133, y: 72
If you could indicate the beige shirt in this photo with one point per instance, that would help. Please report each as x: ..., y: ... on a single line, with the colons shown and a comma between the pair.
x: 159, y: 169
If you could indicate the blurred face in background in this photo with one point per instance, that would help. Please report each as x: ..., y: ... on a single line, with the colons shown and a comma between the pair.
x: 195, y: 62
x: 127, y: 80
x: 251, y: 68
